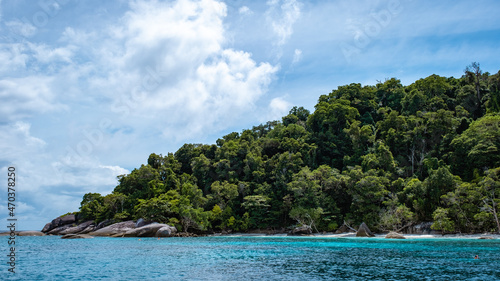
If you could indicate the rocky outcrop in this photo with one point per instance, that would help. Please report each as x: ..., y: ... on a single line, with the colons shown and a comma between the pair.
x: 76, y: 236
x: 58, y: 222
x: 166, y: 231
x: 149, y: 230
x: 394, y: 235
x: 59, y: 229
x: 103, y: 224
x: 343, y: 229
x: 364, y: 231
x: 30, y: 233
x: 76, y: 229
x: 421, y: 228
x: 141, y: 222
x: 304, y: 229
x: 117, y: 228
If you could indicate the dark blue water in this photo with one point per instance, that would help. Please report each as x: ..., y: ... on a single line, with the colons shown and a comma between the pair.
x: 253, y: 258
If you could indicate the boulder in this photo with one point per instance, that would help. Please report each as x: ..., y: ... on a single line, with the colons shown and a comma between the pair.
x: 343, y: 229
x: 421, y: 228
x: 394, y: 235
x: 166, y: 231
x: 145, y: 231
x: 364, y: 231
x: 76, y: 229
x: 304, y: 229
x: 47, y: 227
x: 89, y: 228
x: 68, y: 219
x: 30, y: 233
x: 103, y: 224
x: 117, y: 228
x: 76, y: 236
x: 141, y: 222
x: 59, y: 229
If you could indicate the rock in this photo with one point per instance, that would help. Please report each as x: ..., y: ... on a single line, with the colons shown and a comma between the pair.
x: 76, y: 236
x: 89, y: 228
x: 145, y: 231
x: 141, y: 222
x: 121, y: 227
x: 305, y: 229
x: 166, y: 231
x: 394, y: 235
x: 103, y: 224
x: 47, y: 227
x: 76, y: 229
x: 486, y: 237
x: 343, y: 229
x: 421, y: 228
x: 59, y: 229
x: 364, y: 231
x: 68, y: 219
x: 30, y: 233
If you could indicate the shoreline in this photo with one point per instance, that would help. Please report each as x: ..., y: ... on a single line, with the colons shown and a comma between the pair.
x: 377, y: 236
x: 477, y: 236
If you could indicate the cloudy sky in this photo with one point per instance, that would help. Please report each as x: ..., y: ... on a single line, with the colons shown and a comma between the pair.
x: 88, y: 89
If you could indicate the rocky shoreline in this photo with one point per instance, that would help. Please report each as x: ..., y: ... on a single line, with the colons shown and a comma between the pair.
x: 70, y: 227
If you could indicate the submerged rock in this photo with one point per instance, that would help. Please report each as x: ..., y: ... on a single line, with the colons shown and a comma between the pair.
x: 364, y: 231
x: 486, y: 237
x: 394, y: 235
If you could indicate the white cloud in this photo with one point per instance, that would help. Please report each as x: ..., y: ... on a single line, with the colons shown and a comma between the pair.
x: 172, y: 58
x: 24, y: 29
x: 23, y: 97
x: 282, y: 15
x: 297, y: 56
x: 47, y: 188
x: 278, y: 107
x: 244, y: 10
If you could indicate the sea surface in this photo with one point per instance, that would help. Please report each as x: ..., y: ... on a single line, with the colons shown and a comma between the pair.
x: 252, y: 258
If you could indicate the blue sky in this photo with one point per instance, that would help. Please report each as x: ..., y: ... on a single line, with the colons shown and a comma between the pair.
x: 88, y: 89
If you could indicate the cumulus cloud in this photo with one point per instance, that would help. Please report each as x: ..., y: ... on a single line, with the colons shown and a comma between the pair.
x: 164, y: 71
x: 171, y: 58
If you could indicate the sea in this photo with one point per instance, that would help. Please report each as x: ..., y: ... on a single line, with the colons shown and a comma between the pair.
x: 251, y: 258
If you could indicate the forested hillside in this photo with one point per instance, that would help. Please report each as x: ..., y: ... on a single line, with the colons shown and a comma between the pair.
x: 388, y: 155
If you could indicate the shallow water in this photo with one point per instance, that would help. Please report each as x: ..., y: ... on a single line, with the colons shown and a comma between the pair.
x: 253, y: 258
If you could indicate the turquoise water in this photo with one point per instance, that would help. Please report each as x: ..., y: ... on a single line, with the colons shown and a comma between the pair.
x: 253, y: 258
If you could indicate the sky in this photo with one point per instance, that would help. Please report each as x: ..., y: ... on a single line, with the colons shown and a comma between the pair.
x: 88, y: 89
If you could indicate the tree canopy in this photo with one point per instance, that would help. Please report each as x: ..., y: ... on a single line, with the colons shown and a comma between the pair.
x: 388, y: 155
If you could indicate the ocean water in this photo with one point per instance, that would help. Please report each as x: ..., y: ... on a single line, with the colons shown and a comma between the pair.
x: 252, y: 258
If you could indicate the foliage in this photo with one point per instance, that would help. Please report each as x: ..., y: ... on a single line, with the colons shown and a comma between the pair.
x: 388, y: 155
